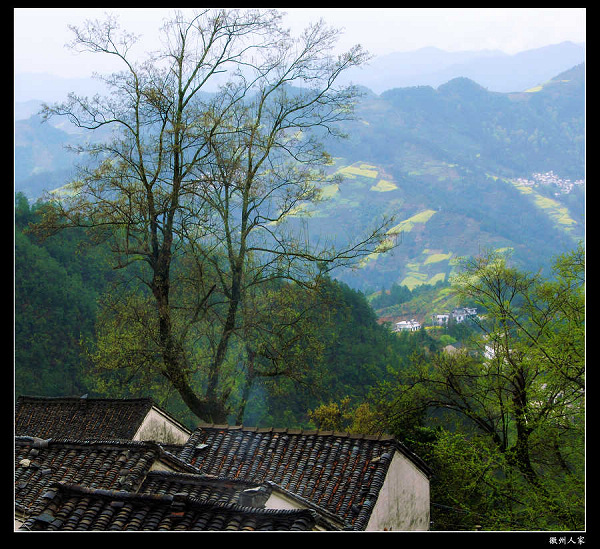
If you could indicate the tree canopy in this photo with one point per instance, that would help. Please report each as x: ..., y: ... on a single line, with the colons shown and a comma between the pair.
x: 503, y: 419
x: 195, y: 191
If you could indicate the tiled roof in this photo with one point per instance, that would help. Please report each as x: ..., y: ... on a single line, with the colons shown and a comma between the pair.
x: 107, y: 464
x: 206, y: 489
x: 338, y: 472
x: 222, y: 475
x: 221, y: 491
x: 80, y: 418
x: 78, y: 508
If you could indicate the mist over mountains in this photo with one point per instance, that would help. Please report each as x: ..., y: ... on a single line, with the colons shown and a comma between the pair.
x: 456, y: 146
x: 492, y: 69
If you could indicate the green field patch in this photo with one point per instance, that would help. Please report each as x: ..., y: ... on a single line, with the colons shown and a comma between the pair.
x: 414, y: 279
x: 408, y: 224
x: 359, y: 169
x: 383, y: 186
x: 381, y: 248
x: 404, y: 226
x: 557, y: 212
x: 301, y: 210
x: 436, y: 258
x: 443, y: 294
x: 439, y: 277
x: 328, y: 191
x: 524, y: 189
x: 427, y: 167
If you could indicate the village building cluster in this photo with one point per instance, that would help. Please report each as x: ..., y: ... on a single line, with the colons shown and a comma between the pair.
x: 457, y: 315
x: 565, y: 186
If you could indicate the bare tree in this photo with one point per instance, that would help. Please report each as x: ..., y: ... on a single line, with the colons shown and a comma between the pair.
x: 210, y: 182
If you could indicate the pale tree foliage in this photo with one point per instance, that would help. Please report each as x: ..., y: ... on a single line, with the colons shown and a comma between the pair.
x: 196, y: 191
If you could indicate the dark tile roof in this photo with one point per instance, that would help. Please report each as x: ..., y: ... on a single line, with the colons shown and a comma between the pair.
x: 71, y: 507
x: 206, y: 489
x: 107, y: 464
x: 338, y: 472
x: 336, y: 476
x: 220, y: 491
x: 80, y: 418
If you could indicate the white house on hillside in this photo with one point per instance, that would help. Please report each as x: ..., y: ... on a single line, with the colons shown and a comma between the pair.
x: 407, y: 326
x: 458, y: 315
x: 440, y: 319
x: 461, y: 314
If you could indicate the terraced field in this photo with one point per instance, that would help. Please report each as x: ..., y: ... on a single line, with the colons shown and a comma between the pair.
x: 558, y: 213
x: 437, y: 218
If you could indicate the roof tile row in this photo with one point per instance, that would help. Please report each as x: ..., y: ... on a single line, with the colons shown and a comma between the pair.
x: 335, y: 471
x: 72, y: 507
x: 80, y: 417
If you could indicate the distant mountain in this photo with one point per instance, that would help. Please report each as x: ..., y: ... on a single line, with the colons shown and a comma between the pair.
x: 494, y: 70
x: 41, y: 160
x: 26, y: 109
x: 456, y: 165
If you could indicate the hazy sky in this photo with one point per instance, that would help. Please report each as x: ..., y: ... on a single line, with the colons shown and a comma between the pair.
x: 40, y: 34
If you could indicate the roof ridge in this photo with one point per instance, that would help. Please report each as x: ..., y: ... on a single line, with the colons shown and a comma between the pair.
x: 74, y: 398
x: 172, y: 498
x: 296, y: 431
x: 36, y: 441
x: 196, y: 476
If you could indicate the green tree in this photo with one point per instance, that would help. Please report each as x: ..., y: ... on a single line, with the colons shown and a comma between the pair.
x: 512, y: 408
x: 56, y: 286
x: 200, y: 188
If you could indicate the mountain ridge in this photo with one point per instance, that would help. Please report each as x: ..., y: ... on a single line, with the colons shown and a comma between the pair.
x: 492, y: 69
x: 464, y: 169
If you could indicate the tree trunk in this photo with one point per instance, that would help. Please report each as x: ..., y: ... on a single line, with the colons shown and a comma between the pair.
x: 248, y: 381
x: 207, y: 409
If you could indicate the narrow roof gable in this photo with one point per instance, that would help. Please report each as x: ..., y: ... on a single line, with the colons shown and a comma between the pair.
x: 107, y: 464
x: 206, y: 488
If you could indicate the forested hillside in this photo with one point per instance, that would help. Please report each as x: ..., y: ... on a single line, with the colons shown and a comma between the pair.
x: 447, y: 163
x: 60, y: 282
x: 358, y: 376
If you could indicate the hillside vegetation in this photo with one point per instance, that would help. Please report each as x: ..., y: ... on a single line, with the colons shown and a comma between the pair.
x: 449, y: 164
x: 470, y: 177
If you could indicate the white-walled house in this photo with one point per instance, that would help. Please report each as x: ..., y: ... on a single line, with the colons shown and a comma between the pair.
x: 462, y: 313
x: 407, y: 326
x: 108, y: 418
x: 440, y: 319
x: 458, y: 315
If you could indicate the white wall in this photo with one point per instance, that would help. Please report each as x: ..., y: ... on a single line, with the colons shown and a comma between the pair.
x: 159, y: 428
x: 403, y: 502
